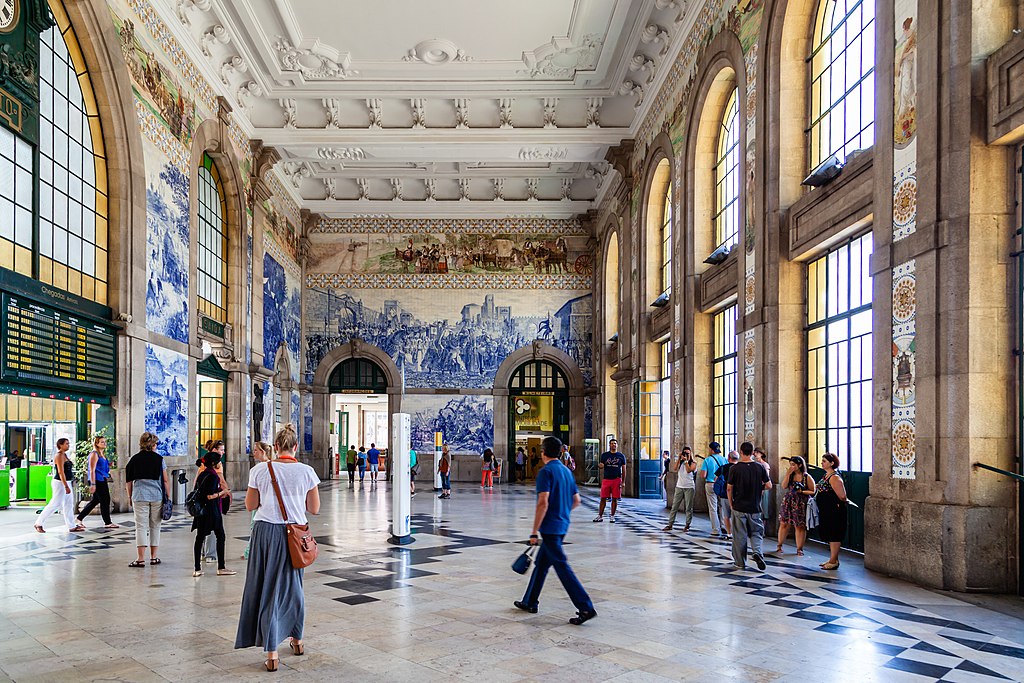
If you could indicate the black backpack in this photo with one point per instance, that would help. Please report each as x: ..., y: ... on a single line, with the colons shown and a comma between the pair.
x: 194, y: 503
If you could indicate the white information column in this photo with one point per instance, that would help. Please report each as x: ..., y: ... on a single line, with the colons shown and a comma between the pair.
x: 401, y: 500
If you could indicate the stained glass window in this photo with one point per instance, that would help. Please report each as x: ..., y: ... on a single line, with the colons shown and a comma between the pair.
x: 839, y: 355
x: 727, y: 177
x: 842, y: 97
x: 723, y: 373
x: 72, y: 168
x: 213, y: 242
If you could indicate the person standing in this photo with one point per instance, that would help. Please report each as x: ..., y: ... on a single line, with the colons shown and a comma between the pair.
x: 99, y: 487
x: 520, y: 470
x: 146, y: 476
x: 712, y: 463
x: 361, y: 462
x: 612, y: 465
x: 746, y: 481
x: 444, y: 468
x: 832, y: 506
x: 413, y: 471
x: 799, y: 486
x: 724, y: 509
x: 487, y: 469
x: 761, y: 459
x: 350, y: 465
x: 686, y: 489
x: 373, y: 461
x: 212, y: 489
x: 666, y: 460
x: 273, y: 602
x: 557, y: 497
x: 215, y: 446
x: 63, y: 497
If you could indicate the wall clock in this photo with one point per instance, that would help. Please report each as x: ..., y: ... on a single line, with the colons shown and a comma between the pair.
x: 8, y: 15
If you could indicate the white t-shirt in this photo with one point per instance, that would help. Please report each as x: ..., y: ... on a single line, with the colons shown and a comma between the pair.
x: 295, y: 479
x: 684, y: 479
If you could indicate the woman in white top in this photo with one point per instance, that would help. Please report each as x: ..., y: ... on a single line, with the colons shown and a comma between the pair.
x: 273, y: 604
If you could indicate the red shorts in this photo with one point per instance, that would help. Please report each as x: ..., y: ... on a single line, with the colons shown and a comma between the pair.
x: 611, y: 488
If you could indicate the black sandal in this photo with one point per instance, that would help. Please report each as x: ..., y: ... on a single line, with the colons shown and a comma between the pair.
x: 154, y: 560
x: 138, y: 563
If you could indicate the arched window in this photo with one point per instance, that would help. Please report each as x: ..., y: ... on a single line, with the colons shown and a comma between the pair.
x: 723, y: 387
x: 538, y: 375
x: 842, y: 97
x: 727, y: 177
x: 666, y: 241
x: 358, y: 374
x: 65, y: 245
x: 213, y: 242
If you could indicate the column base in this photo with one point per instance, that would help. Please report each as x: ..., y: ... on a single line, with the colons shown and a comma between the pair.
x: 944, y: 546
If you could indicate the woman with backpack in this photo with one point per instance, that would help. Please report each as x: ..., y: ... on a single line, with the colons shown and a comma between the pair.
x: 799, y: 486
x: 211, y: 489
x: 444, y: 468
x: 487, y: 471
x: 361, y: 457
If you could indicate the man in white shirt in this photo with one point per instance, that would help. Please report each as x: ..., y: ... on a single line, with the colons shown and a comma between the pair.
x: 686, y: 488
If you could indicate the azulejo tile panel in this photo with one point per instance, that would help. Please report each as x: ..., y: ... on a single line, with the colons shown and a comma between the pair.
x: 167, y: 399
x: 904, y: 370
x: 569, y: 281
x: 154, y: 130
x: 904, y: 190
x: 749, y: 357
x: 417, y: 226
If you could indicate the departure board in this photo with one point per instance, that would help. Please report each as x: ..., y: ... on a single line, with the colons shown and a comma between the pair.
x: 50, y: 347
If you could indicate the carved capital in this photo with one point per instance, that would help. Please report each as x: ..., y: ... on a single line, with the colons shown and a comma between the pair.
x: 263, y: 158
x: 621, y: 157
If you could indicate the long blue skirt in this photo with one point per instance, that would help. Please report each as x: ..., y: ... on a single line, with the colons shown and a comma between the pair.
x: 273, y: 605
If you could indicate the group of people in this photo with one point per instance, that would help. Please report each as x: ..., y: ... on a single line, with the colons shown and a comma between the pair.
x: 738, y: 490
x: 363, y: 460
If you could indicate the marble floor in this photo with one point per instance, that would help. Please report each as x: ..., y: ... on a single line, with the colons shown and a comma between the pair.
x: 671, y: 607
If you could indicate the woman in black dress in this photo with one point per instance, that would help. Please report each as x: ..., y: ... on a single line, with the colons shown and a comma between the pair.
x: 212, y: 489
x: 831, y: 500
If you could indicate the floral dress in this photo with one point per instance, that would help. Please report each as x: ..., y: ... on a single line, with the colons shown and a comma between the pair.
x: 794, y: 504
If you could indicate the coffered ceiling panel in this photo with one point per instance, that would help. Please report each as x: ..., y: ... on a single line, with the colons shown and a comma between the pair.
x: 435, y: 107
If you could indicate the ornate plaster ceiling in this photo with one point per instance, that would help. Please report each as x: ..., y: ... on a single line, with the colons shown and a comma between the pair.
x: 437, y: 107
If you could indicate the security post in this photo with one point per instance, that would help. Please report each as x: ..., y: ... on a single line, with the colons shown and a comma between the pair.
x: 401, y: 502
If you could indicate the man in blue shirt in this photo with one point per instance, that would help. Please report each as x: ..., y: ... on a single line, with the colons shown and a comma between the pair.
x: 557, y: 495
x: 373, y: 460
x: 710, y: 466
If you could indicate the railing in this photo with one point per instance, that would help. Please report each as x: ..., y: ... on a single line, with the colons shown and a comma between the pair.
x: 1012, y: 475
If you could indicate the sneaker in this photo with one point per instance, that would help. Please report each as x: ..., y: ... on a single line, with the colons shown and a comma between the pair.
x: 740, y: 566
x: 667, y: 528
x: 526, y: 608
x: 582, y: 617
x: 759, y: 561
x: 412, y: 494
x: 611, y: 520
x: 599, y: 518
x: 442, y: 496
x: 198, y: 572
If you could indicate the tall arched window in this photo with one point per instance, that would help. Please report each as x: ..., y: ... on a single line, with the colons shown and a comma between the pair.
x: 842, y: 60
x: 666, y: 241
x: 727, y: 177
x: 65, y: 244
x: 213, y: 242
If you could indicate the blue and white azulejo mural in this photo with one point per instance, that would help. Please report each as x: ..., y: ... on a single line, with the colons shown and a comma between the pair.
x: 167, y: 240
x: 282, y: 314
x: 167, y: 399
x: 467, y: 422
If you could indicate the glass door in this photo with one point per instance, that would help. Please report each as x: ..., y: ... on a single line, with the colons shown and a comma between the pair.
x: 647, y: 427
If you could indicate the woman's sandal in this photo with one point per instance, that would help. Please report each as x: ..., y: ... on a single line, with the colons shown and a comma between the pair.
x: 778, y: 549
x: 39, y: 528
x: 74, y: 530
x: 297, y: 648
x: 112, y: 526
x: 271, y: 663
x: 138, y: 563
x: 154, y: 560
x: 830, y: 565
x: 800, y: 552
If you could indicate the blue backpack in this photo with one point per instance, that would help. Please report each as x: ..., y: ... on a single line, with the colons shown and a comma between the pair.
x: 720, y: 482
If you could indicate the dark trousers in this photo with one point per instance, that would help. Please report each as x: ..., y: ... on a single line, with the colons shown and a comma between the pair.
x: 216, y: 526
x: 520, y: 471
x: 101, y: 498
x: 551, y: 555
x: 351, y: 471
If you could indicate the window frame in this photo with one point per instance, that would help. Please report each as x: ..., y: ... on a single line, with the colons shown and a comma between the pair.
x: 818, y: 427
x: 819, y: 115
x: 212, y: 237
x: 667, y: 216
x: 724, y: 378
x: 726, y: 176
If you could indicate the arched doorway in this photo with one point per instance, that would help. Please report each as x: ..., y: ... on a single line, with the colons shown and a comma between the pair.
x: 538, y: 407
x: 359, y: 407
x: 356, y: 389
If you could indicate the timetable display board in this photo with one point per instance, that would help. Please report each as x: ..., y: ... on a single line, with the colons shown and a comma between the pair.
x: 50, y: 347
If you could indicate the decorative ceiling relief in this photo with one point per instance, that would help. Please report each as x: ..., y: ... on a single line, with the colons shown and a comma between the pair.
x: 311, y: 64
x: 436, y: 51
x: 562, y: 59
x: 341, y: 153
x: 543, y: 153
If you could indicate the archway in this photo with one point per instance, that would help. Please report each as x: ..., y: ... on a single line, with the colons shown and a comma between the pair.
x: 356, y: 389
x: 610, y: 336
x: 538, y: 407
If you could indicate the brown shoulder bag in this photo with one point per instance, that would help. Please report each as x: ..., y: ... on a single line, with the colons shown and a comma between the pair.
x: 302, y: 548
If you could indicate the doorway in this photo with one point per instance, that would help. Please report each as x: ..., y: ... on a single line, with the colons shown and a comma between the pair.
x: 538, y: 407
x: 359, y: 411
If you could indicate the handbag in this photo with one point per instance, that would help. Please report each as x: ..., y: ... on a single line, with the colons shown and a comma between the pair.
x: 167, y: 509
x: 302, y: 548
x: 522, y: 563
x: 812, y: 513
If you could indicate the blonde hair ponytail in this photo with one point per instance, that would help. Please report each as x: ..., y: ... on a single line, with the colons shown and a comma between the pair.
x: 286, y: 439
